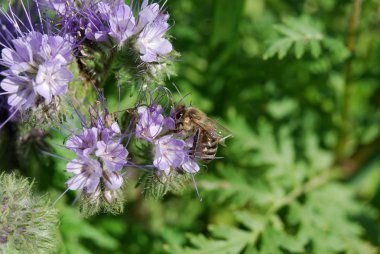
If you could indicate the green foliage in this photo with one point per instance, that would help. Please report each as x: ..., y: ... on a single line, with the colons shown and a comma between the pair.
x: 296, y: 208
x: 75, y: 231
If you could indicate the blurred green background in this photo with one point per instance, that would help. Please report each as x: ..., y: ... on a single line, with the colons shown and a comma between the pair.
x: 297, y: 82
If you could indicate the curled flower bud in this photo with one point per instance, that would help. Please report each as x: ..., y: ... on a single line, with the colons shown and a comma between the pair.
x: 28, y: 223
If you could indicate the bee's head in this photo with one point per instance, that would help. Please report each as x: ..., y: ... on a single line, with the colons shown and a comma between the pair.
x: 179, y: 111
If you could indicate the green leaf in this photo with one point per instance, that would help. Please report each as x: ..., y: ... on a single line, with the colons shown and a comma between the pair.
x: 232, y: 241
x: 297, y: 33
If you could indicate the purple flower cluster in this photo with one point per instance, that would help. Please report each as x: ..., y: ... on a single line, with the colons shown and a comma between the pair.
x: 36, y: 67
x: 104, y: 21
x: 100, y: 157
x: 171, y: 151
x: 35, y: 62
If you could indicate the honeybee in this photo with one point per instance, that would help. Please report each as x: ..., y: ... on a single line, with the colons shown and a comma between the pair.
x: 207, y: 133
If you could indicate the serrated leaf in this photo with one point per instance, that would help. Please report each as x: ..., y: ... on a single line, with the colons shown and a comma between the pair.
x: 297, y: 33
x: 253, y: 222
x: 315, y: 48
x: 234, y: 242
x: 275, y: 240
x: 299, y: 48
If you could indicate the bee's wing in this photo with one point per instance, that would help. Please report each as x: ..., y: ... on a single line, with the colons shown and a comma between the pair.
x: 215, y: 129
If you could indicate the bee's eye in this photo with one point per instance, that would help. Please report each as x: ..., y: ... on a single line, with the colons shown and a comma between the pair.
x: 178, y: 115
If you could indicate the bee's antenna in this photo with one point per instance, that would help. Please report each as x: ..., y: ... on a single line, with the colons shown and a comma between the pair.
x: 183, y: 98
x: 176, y: 88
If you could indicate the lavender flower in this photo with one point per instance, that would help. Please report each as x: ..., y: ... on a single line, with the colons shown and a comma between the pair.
x: 169, y: 153
x: 60, y: 6
x: 109, y: 20
x: 150, y: 122
x: 122, y: 23
x: 87, y: 174
x: 151, y: 42
x: 147, y: 14
x: 112, y: 154
x: 85, y: 143
x: 36, y: 66
x: 52, y: 79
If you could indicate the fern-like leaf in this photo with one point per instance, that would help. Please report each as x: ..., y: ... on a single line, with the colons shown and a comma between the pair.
x: 296, y: 33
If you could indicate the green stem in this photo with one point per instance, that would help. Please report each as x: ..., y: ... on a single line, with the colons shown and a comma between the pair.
x: 346, y: 121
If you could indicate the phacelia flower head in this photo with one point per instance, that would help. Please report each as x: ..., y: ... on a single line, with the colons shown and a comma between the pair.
x: 172, y: 151
x: 100, y: 158
x: 34, y: 64
x: 36, y: 67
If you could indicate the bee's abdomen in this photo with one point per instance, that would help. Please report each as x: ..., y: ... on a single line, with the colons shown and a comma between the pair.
x: 209, y: 149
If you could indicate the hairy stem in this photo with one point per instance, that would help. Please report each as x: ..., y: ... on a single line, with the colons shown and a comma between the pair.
x: 107, y: 67
x: 346, y: 124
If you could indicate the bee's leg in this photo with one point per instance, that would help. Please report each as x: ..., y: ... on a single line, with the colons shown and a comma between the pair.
x: 195, y: 144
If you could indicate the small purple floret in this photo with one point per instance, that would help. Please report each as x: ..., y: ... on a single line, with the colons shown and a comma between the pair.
x: 150, y: 122
x: 87, y: 174
x: 151, y: 42
x: 147, y: 14
x: 122, y: 23
x: 169, y: 153
x: 85, y: 143
x: 112, y: 154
